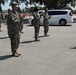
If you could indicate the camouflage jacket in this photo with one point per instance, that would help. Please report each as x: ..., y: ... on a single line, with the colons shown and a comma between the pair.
x: 37, y: 17
x: 46, y: 17
x: 13, y: 23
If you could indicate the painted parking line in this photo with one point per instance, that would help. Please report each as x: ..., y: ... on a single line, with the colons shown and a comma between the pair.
x: 26, y: 29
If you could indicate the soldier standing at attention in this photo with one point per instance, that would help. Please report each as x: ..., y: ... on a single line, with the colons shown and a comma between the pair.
x: 46, y: 21
x: 13, y: 21
x: 36, y: 23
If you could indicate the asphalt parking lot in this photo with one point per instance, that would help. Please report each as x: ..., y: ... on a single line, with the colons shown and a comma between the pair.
x: 53, y: 55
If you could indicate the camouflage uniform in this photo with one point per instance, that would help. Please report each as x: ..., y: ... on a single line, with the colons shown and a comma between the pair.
x: 46, y: 22
x: 13, y: 21
x: 36, y: 23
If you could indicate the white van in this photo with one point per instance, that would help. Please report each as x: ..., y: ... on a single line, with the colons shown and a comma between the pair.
x: 59, y: 17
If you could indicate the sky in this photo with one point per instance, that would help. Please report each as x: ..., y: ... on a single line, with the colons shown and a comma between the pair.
x: 6, y: 6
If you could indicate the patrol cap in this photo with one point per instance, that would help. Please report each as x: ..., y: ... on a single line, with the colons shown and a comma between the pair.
x: 13, y: 3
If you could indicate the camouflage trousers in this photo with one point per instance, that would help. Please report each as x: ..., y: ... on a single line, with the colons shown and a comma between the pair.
x: 46, y: 26
x: 14, y: 43
x: 46, y: 29
x: 37, y: 28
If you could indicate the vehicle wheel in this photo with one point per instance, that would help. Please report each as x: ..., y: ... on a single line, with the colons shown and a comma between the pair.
x: 62, y: 22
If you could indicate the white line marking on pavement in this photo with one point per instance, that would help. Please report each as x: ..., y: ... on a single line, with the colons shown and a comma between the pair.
x: 26, y: 29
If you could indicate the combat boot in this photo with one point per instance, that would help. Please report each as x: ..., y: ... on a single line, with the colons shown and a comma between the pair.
x: 15, y: 55
x: 37, y: 39
x: 21, y: 32
x: 18, y: 54
x: 0, y: 30
x: 46, y: 35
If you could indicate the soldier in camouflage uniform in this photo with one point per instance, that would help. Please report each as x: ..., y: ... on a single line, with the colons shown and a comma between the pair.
x: 13, y: 21
x: 36, y: 23
x: 46, y: 21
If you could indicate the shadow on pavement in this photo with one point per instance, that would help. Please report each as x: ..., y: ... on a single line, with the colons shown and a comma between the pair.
x: 5, y: 57
x: 4, y: 37
x: 54, y: 25
x: 61, y: 25
x: 27, y: 42
x: 73, y: 47
x: 42, y: 36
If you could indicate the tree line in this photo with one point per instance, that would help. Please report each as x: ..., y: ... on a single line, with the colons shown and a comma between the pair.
x: 51, y: 4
